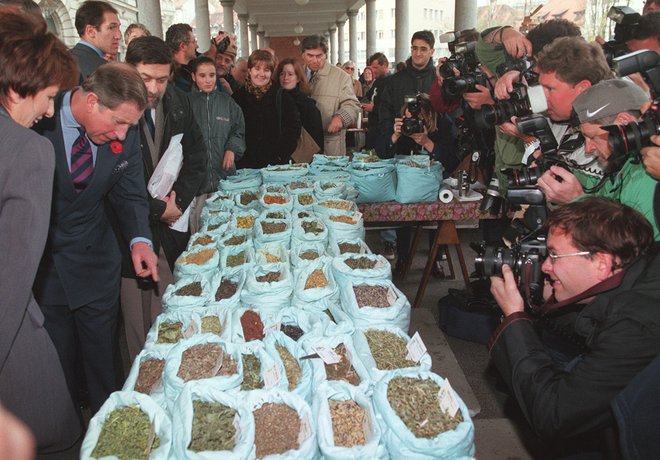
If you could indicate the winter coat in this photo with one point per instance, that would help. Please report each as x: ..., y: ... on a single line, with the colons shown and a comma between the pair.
x: 310, y: 116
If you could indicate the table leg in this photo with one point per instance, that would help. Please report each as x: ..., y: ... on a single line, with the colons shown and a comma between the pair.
x: 413, y: 251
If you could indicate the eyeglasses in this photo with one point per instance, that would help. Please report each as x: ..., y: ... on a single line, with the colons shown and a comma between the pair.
x: 554, y: 257
x: 423, y: 49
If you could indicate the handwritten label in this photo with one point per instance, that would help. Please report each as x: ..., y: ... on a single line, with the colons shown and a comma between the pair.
x: 391, y: 296
x: 272, y: 376
x: 328, y: 355
x: 271, y: 328
x: 305, y: 429
x: 416, y: 348
x: 190, y: 330
x: 447, y: 399
x: 237, y: 426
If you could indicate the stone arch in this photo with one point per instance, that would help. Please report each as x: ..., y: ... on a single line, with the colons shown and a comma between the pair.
x: 59, y: 21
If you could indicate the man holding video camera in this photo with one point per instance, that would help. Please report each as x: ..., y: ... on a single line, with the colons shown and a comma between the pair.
x: 615, y: 101
x: 605, y: 280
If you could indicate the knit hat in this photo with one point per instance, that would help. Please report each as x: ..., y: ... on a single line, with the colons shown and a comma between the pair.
x: 607, y: 98
x: 231, y: 50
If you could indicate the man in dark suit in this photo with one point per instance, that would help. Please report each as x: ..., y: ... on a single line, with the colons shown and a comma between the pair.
x: 97, y: 25
x: 97, y: 161
x: 167, y: 115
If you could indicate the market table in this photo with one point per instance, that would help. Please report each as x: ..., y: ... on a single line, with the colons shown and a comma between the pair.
x: 443, y: 215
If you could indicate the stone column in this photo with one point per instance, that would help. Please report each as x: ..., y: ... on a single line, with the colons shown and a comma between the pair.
x: 372, y: 45
x: 333, y: 45
x: 203, y: 29
x: 244, y: 38
x: 228, y: 15
x: 465, y: 15
x: 149, y: 15
x: 402, y: 34
x: 340, y: 41
x: 262, y: 39
x: 253, y: 37
x: 352, y: 35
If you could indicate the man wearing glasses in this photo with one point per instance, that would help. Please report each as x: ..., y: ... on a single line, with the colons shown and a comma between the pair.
x: 603, y: 292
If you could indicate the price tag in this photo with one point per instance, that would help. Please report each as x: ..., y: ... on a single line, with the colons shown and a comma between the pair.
x: 380, y: 262
x: 391, y: 296
x: 272, y: 328
x: 305, y: 429
x: 237, y: 426
x: 357, y: 216
x: 190, y: 330
x: 416, y: 348
x: 447, y: 400
x: 151, y: 438
x: 272, y: 376
x: 328, y: 355
x: 367, y: 425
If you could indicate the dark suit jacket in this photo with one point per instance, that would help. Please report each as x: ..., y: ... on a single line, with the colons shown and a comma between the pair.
x: 88, y: 60
x: 81, y: 263
x: 28, y: 358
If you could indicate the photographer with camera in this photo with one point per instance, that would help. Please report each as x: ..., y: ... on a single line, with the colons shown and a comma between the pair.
x: 605, y: 283
x: 651, y: 157
x: 610, y: 101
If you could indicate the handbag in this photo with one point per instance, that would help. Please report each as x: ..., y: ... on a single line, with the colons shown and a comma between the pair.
x: 306, y: 148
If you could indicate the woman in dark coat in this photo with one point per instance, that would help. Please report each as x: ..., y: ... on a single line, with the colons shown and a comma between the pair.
x: 292, y: 78
x: 271, y: 128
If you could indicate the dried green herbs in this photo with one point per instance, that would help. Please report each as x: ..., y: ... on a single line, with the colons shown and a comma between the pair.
x: 312, y: 226
x: 248, y: 197
x: 352, y: 248
x: 251, y: 373
x: 235, y: 240
x: 204, y: 240
x: 169, y: 332
x: 347, y: 423
x: 343, y: 370
x: 299, y: 184
x: 193, y: 289
x: 291, y: 366
x: 388, y: 349
x: 277, y: 427
x: 226, y: 289
x: 275, y: 215
x: 309, y: 255
x: 211, y: 325
x: 360, y: 263
x: 127, y: 433
x: 415, y: 401
x: 150, y: 375
x: 212, y: 427
x: 234, y: 260
x: 371, y: 296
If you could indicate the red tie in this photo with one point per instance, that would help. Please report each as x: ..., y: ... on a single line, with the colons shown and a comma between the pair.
x: 82, y: 163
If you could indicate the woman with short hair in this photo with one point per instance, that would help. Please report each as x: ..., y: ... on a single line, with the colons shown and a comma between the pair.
x: 272, y: 122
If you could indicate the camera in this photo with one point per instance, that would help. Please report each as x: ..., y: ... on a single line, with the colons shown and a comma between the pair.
x: 454, y: 86
x: 523, y: 65
x: 464, y: 59
x: 223, y: 44
x: 525, y: 100
x: 493, y: 199
x: 626, y: 20
x: 412, y: 124
x: 646, y: 62
x: 525, y: 257
x: 630, y: 138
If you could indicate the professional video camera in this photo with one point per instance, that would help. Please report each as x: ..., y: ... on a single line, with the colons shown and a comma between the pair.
x: 525, y: 100
x: 626, y: 20
x: 412, y: 124
x: 525, y: 257
x: 524, y: 65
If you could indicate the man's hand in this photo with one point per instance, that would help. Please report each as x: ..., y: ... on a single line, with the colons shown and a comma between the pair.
x: 505, y: 290
x: 504, y: 84
x: 367, y: 106
x: 423, y: 140
x: 145, y: 261
x: 510, y: 128
x: 335, y: 125
x: 478, y: 98
x: 398, y: 122
x: 228, y: 161
x: 515, y: 43
x: 225, y: 84
x: 560, y: 192
x: 172, y: 211
x: 651, y: 157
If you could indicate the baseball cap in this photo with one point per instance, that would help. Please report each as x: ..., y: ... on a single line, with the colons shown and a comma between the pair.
x: 607, y: 98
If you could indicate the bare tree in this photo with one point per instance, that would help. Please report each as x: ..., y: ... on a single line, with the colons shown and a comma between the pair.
x: 597, y: 23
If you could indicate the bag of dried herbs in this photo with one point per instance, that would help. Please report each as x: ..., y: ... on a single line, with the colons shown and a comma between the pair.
x: 413, y: 423
x: 314, y: 283
x: 188, y: 292
x: 371, y: 303
x: 295, y: 322
x: 374, y: 184
x: 303, y: 202
x: 225, y: 288
x: 357, y: 267
x: 171, y: 327
x: 201, y: 240
x: 211, y: 423
x: 128, y: 425
x: 271, y: 253
x: 345, y: 226
x: 328, y: 189
x: 261, y: 367
x: 283, y: 174
x: 268, y: 286
x: 216, y: 216
x: 296, y: 373
x: 244, y: 179
x: 348, y: 368
x: 252, y: 323
x: 284, y: 424
x: 272, y: 230
x: 308, y: 230
x: 328, y: 318
x: 198, y: 261
x: 242, y: 221
x: 346, y: 425
x: 418, y: 181
x: 220, y: 200
x: 341, y: 246
x: 147, y: 373
x: 303, y: 254
x: 300, y: 186
x: 203, y: 357
x: 234, y: 259
x: 275, y: 198
x: 320, y: 160
x: 383, y: 349
x: 335, y: 206
x: 247, y: 199
x: 275, y: 214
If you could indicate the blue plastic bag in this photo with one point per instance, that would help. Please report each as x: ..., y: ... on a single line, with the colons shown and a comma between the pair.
x: 415, y: 184
x: 374, y: 185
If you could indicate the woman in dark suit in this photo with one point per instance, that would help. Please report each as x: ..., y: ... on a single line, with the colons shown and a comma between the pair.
x: 35, y: 65
x: 272, y: 122
x: 292, y: 78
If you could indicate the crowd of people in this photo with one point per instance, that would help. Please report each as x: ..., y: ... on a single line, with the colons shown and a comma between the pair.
x: 87, y: 235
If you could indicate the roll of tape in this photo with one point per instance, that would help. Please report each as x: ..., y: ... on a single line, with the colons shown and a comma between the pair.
x: 445, y: 195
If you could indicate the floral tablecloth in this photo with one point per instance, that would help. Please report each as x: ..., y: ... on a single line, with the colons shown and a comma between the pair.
x: 391, y: 211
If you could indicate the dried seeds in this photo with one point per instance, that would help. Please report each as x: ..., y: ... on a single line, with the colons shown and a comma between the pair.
x: 343, y: 219
x: 150, y: 375
x: 316, y: 279
x: 352, y: 248
x: 193, y: 289
x: 309, y: 255
x: 200, y: 362
x: 347, y: 423
x: 274, y: 199
x: 388, y: 349
x: 269, y: 277
x: 211, y: 325
x: 234, y: 260
x: 277, y: 427
x: 127, y: 433
x: 371, y: 296
x: 338, y: 204
x: 245, y: 221
x: 204, y: 240
x: 291, y: 366
x: 273, y: 227
x: 360, y: 263
x: 199, y: 258
x: 212, y: 427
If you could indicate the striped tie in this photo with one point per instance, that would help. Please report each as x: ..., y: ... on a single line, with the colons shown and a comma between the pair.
x: 82, y: 163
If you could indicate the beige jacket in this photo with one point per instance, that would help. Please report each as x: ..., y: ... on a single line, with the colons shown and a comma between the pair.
x: 332, y: 89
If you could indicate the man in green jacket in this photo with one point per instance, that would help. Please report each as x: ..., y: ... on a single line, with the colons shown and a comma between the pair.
x: 616, y: 101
